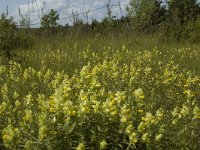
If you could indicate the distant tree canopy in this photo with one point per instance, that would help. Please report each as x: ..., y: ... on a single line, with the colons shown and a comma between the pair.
x: 153, y: 11
x: 50, y: 20
x: 178, y: 19
x: 184, y: 10
x: 146, y: 13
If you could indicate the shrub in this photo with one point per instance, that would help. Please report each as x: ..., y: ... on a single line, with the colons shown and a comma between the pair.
x: 7, y: 31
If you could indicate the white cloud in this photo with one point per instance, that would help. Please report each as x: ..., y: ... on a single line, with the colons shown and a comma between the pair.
x: 65, y: 8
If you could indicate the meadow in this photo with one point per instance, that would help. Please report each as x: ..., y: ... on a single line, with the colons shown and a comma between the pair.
x: 117, y: 91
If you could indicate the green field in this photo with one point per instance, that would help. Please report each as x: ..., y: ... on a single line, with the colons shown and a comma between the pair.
x: 126, y: 79
x: 119, y: 91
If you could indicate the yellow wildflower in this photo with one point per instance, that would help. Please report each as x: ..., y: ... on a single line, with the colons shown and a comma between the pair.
x: 145, y: 137
x: 158, y: 137
x: 184, y: 111
x: 133, y: 138
x: 139, y: 94
x: 103, y: 145
x: 81, y: 146
x: 196, y: 112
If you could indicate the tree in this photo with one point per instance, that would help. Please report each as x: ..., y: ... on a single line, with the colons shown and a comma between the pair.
x: 50, y: 20
x: 183, y: 10
x: 181, y: 18
x: 146, y: 13
x: 7, y: 32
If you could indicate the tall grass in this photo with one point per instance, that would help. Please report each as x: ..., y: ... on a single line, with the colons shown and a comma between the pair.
x: 61, y: 51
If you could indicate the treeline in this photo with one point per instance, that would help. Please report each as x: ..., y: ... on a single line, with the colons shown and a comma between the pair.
x: 106, y: 25
x: 174, y: 19
x: 171, y: 20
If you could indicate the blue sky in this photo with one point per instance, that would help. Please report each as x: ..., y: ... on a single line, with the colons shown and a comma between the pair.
x: 64, y: 8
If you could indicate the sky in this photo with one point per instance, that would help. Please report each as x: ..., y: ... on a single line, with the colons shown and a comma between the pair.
x: 63, y: 7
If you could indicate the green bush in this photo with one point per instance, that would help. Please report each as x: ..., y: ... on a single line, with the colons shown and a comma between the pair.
x: 7, y: 31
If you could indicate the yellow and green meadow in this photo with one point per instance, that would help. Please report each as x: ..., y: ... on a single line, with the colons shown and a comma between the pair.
x: 113, y: 99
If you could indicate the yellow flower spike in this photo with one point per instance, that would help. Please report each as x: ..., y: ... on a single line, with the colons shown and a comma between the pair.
x: 8, y: 135
x: 141, y: 127
x: 97, y: 107
x: 125, y: 114
x: 28, y: 99
x: 120, y: 97
x: 158, y: 137
x: 143, y: 118
x: 72, y: 113
x: 17, y: 103
x: 141, y: 111
x: 124, y: 119
x: 139, y: 94
x: 42, y: 132
x: 133, y: 138
x: 196, y: 112
x: 149, y: 118
x: 103, y: 145
x: 15, y: 95
x: 174, y: 121
x: 184, y: 111
x: 52, y: 104
x: 84, y: 110
x: 147, y: 70
x: 113, y: 113
x: 25, y: 74
x: 83, y: 95
x: 81, y: 146
x: 4, y: 90
x: 2, y: 107
x: 66, y: 89
x: 189, y: 94
x: 16, y: 130
x: 28, y: 116
x: 175, y: 112
x: 129, y: 129
x: 145, y: 137
x: 93, y: 98
x: 159, y: 114
x: 68, y: 108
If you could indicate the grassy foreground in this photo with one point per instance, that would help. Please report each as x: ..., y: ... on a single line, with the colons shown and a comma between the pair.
x: 104, y: 97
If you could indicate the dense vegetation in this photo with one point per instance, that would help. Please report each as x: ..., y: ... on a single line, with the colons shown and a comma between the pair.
x: 119, y: 99
x: 132, y: 83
